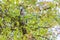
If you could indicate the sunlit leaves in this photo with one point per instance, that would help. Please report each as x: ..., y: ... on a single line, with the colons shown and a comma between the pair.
x: 37, y: 18
x: 30, y: 1
x: 9, y: 19
x: 2, y: 37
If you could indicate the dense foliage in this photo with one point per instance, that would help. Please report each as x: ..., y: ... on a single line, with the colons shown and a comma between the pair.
x: 27, y: 19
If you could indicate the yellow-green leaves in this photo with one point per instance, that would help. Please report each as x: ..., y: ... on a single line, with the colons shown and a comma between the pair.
x: 7, y: 19
x: 30, y: 1
x: 39, y: 16
x: 0, y: 20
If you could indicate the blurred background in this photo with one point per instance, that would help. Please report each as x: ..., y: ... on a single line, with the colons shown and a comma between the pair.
x: 29, y: 19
